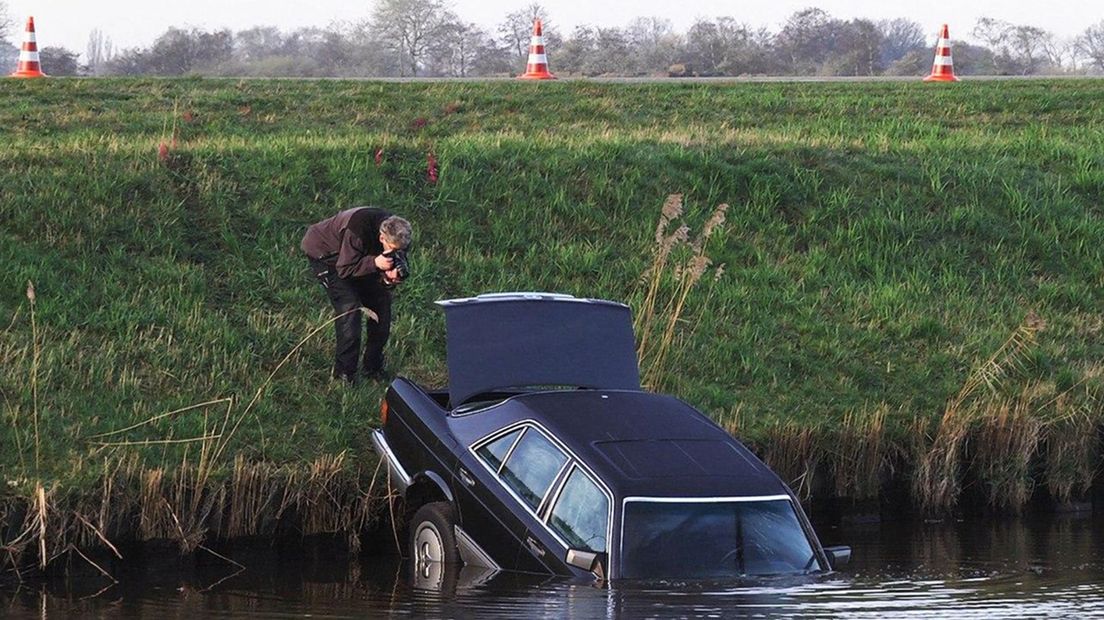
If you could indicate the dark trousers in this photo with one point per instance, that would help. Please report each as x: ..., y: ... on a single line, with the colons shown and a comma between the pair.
x: 352, y: 293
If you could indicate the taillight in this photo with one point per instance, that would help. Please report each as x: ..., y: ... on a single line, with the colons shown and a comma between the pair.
x: 384, y: 409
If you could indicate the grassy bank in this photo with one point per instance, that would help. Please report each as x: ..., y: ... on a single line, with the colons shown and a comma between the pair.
x: 884, y: 245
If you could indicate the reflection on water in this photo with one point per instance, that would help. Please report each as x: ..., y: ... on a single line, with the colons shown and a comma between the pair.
x: 1052, y: 567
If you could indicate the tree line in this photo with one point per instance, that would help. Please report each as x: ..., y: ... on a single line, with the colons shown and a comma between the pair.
x: 425, y: 38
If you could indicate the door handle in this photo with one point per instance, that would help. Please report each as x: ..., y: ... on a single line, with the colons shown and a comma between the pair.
x: 466, y: 477
x: 535, y: 546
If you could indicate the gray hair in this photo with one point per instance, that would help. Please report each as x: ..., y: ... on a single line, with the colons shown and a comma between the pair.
x: 397, y: 230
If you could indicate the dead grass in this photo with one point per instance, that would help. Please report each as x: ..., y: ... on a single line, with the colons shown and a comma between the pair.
x: 860, y: 459
x: 937, y: 483
x: 678, y: 264
x: 1072, y: 447
x: 1008, y: 435
x: 793, y: 451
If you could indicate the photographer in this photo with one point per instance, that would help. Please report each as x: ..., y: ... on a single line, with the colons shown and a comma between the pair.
x: 359, y: 255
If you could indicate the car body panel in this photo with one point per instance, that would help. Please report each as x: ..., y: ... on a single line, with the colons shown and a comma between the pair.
x: 507, y: 341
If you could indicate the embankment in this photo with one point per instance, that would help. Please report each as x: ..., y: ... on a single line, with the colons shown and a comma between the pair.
x: 904, y: 300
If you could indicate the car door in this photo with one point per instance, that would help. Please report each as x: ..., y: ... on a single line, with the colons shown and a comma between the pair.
x: 482, y: 502
x: 575, y: 516
x: 505, y: 483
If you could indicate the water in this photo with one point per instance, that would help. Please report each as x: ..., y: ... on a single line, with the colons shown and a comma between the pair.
x: 1042, y: 567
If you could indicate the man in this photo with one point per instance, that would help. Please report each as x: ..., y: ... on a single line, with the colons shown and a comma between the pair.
x: 353, y: 255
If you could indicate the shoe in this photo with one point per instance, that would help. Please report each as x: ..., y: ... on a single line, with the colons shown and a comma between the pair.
x: 382, y: 375
x: 344, y: 379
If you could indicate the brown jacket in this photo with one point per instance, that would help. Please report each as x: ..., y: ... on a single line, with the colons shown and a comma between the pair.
x: 349, y: 241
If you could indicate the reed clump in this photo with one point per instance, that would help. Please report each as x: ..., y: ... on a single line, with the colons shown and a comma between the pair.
x: 678, y: 263
x: 1008, y: 434
x: 937, y: 483
x: 861, y: 454
x: 1072, y: 446
x: 135, y: 503
x: 794, y: 451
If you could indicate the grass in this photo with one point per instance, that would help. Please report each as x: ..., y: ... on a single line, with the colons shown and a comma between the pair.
x: 882, y: 240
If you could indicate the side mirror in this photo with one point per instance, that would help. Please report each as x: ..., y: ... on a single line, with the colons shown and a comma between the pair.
x: 838, y: 556
x: 587, y: 560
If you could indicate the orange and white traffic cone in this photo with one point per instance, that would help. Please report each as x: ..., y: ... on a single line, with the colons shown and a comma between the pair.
x: 537, y: 67
x: 28, y: 66
x: 943, y: 68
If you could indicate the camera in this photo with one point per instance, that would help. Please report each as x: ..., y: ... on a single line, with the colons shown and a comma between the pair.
x: 399, y: 264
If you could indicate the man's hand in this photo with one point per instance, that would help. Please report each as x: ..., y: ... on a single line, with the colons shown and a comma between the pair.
x: 392, y: 276
x: 384, y: 263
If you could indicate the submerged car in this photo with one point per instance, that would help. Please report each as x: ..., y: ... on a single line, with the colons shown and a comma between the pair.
x: 544, y: 454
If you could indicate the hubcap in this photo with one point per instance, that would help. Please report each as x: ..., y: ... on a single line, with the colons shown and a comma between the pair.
x: 428, y: 547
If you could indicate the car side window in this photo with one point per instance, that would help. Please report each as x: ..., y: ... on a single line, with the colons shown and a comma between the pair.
x: 581, y: 513
x: 495, y: 452
x: 532, y: 466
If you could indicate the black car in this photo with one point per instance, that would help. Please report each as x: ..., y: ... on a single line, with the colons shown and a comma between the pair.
x: 544, y: 454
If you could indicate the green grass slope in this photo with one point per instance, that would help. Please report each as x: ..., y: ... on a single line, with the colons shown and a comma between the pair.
x: 882, y: 239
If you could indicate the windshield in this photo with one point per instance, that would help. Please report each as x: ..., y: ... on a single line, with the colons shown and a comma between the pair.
x: 688, y: 539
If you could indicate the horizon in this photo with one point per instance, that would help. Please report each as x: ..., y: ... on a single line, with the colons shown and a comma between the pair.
x: 58, y: 23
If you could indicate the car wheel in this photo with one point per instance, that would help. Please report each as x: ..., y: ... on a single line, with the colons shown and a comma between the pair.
x: 433, y: 537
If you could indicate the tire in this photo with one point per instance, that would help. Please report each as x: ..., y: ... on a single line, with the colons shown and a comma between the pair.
x: 433, y: 535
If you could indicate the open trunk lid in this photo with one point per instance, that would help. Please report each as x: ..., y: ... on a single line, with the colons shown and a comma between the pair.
x: 515, y: 340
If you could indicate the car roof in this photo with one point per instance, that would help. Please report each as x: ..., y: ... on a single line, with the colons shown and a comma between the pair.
x: 647, y: 445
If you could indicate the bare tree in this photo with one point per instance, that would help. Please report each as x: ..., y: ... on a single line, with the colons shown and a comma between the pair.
x: 1090, y: 45
x: 458, y: 47
x: 98, y: 51
x: 806, y: 40
x: 408, y: 28
x: 856, y: 49
x: 654, y: 43
x: 899, y: 37
x: 259, y: 42
x: 517, y: 27
x: 5, y: 21
x: 1017, y: 49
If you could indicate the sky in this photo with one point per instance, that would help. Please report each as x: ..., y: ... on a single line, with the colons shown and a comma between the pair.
x: 136, y: 23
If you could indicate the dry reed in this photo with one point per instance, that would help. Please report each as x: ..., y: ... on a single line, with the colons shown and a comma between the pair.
x: 793, y: 451
x: 1008, y: 434
x: 937, y: 483
x: 861, y: 458
x: 690, y: 263
x: 1072, y: 446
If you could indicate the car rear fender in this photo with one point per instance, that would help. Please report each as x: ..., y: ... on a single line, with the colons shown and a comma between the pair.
x: 425, y: 487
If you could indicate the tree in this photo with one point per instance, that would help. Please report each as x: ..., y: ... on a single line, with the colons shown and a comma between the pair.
x: 726, y: 47
x: 972, y: 59
x: 98, y: 51
x: 899, y: 37
x: 806, y: 40
x: 458, y: 46
x: 1090, y: 45
x: 408, y: 28
x: 517, y: 28
x: 259, y: 42
x: 856, y: 50
x: 654, y: 43
x: 1017, y: 49
x: 59, y: 61
x: 578, y: 50
x: 5, y: 22
x: 176, y: 52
